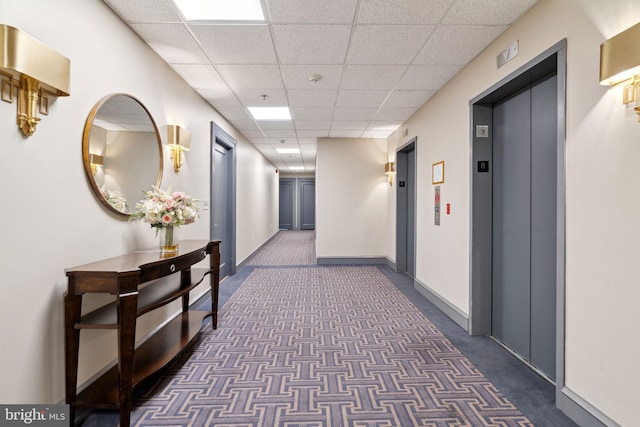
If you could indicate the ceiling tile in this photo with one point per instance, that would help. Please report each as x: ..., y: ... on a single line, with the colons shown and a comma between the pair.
x: 387, y: 44
x: 355, y: 113
x: 350, y: 125
x: 253, y: 98
x: 251, y: 77
x: 376, y: 133
x: 200, y: 76
x: 372, y: 77
x: 311, y: 142
x: 235, y: 113
x: 312, y: 98
x: 219, y: 98
x: 311, y: 44
x: 236, y: 44
x: 311, y: 113
x: 313, y: 134
x: 457, y: 45
x: 173, y: 42
x: 312, y: 11
x: 402, y: 11
x: 384, y: 125
x: 408, y: 98
x: 361, y: 98
x: 279, y: 133
x: 243, y: 125
x: 425, y: 77
x: 275, y: 124
x: 395, y: 114
x: 144, y: 10
x: 339, y: 133
x: 295, y: 76
x: 313, y: 124
x: 487, y: 12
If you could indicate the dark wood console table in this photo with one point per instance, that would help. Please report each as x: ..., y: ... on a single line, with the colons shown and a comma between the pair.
x: 141, y: 282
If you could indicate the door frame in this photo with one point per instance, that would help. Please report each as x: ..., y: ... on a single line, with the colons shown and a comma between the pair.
x: 218, y: 135
x: 401, y: 203
x: 480, y: 249
x: 292, y: 181
x: 301, y: 182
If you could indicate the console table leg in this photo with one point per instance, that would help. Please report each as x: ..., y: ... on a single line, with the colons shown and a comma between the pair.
x: 127, y: 313
x: 72, y: 309
x: 214, y: 278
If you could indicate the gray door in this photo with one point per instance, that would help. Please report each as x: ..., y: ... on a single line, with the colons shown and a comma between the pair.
x: 286, y: 204
x: 221, y: 205
x: 405, y: 209
x: 524, y: 223
x: 307, y: 204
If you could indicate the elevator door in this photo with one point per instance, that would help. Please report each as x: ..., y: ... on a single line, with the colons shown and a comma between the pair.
x: 524, y: 224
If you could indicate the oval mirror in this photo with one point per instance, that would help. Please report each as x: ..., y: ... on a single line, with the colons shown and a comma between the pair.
x: 122, y: 152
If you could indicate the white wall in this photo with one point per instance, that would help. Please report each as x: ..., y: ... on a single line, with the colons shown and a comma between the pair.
x: 603, y: 207
x: 50, y: 218
x: 351, y: 199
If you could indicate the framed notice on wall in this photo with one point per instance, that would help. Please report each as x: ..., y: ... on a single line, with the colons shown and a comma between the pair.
x: 437, y: 173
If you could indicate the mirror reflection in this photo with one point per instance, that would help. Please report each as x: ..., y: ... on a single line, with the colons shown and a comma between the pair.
x: 122, y: 152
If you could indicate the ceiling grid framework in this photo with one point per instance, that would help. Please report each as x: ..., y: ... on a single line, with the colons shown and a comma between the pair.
x: 376, y: 61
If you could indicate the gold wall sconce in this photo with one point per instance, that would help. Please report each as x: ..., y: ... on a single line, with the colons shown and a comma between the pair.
x: 95, y: 160
x: 620, y: 63
x: 179, y: 139
x: 390, y: 170
x: 35, y: 71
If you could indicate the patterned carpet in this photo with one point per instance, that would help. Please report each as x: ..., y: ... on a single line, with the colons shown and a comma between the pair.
x: 287, y: 248
x: 323, y: 346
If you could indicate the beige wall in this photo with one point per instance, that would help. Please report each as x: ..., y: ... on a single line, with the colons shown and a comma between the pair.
x: 351, y: 198
x: 603, y: 207
x: 49, y: 216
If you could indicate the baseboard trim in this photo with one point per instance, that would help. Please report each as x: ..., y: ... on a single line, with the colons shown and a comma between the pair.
x: 356, y: 261
x: 582, y: 412
x: 445, y: 306
x: 248, y: 258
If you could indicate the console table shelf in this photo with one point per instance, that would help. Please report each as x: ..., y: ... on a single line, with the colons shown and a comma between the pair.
x: 141, y: 282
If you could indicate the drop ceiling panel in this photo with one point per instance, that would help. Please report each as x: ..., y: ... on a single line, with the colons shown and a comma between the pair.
x: 251, y: 77
x: 144, y: 11
x: 408, y: 98
x: 487, y: 12
x: 236, y: 44
x: 457, y: 45
x: 377, y: 61
x: 312, y: 113
x: 172, y: 42
x: 311, y: 44
x: 200, y: 76
x: 426, y: 77
x: 372, y: 77
x: 387, y: 44
x: 312, y: 98
x: 361, y: 98
x: 296, y: 76
x: 312, y: 11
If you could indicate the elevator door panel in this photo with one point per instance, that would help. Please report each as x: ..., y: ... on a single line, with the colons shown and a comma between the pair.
x: 524, y: 223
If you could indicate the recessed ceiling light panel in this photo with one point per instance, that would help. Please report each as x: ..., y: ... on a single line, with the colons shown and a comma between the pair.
x: 220, y: 10
x: 270, y: 113
x: 288, y: 150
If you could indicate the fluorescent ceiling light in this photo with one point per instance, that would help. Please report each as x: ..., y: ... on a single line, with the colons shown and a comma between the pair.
x: 296, y: 168
x: 270, y: 113
x: 220, y: 10
x: 288, y: 150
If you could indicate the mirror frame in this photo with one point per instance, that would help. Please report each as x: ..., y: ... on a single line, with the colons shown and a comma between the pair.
x: 86, y: 137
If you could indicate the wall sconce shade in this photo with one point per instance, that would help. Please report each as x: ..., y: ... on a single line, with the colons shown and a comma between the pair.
x: 389, y: 170
x: 95, y: 160
x: 620, y: 62
x: 179, y: 139
x: 620, y: 56
x: 35, y: 70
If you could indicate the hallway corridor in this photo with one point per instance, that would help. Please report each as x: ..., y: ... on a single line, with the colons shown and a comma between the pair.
x: 301, y: 344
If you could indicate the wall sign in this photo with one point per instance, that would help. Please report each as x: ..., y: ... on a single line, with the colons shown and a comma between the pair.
x: 437, y: 173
